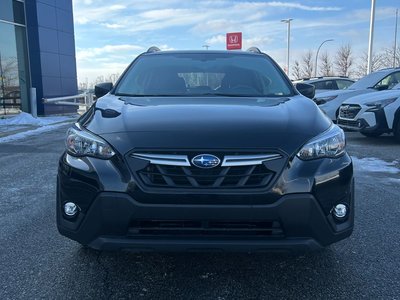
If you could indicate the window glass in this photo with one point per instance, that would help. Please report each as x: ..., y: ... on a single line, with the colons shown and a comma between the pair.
x: 193, y: 74
x: 13, y: 68
x: 12, y: 11
x: 19, y: 14
x: 6, y: 10
x: 343, y: 84
x: 325, y: 85
x: 389, y: 81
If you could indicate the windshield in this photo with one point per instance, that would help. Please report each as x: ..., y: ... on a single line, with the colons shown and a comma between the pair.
x: 199, y: 74
x: 368, y: 81
x: 396, y: 87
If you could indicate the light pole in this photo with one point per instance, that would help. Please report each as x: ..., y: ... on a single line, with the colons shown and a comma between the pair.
x: 206, y: 46
x: 287, y: 21
x: 2, y: 84
x: 316, y: 56
x: 395, y: 40
x: 371, y: 36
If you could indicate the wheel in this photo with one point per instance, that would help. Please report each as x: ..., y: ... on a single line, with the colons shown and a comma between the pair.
x: 396, y: 131
x: 371, y: 134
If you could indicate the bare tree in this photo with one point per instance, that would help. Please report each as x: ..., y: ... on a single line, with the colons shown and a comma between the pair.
x: 296, y: 70
x: 326, y: 65
x: 307, y: 64
x: 99, y: 79
x: 9, y: 71
x: 344, y: 60
x: 388, y: 57
x: 362, y: 66
x: 112, y: 77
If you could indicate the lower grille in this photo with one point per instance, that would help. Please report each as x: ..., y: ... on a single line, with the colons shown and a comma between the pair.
x: 355, y: 124
x: 193, y: 177
x: 182, y: 228
x: 349, y: 111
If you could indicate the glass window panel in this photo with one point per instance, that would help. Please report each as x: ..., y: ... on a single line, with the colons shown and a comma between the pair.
x: 19, y: 13
x: 12, y: 11
x: 13, y: 68
x: 6, y: 10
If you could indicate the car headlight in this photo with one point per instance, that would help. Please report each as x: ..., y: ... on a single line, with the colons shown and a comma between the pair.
x: 330, y: 144
x: 376, y: 105
x: 81, y: 142
x: 323, y: 100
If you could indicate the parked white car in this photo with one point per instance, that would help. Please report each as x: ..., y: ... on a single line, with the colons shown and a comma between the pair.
x: 380, y: 80
x: 372, y: 114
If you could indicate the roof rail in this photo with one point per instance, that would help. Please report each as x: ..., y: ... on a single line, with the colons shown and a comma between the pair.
x: 254, y: 50
x: 153, y: 49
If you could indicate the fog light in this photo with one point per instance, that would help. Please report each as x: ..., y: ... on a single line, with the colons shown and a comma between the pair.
x: 340, y: 211
x: 70, y: 209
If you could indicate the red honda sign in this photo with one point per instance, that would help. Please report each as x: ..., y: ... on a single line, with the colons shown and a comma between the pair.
x: 234, y: 41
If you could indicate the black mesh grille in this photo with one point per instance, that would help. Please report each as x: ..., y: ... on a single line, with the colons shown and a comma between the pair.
x: 349, y: 111
x: 349, y: 123
x: 207, y: 228
x: 193, y: 177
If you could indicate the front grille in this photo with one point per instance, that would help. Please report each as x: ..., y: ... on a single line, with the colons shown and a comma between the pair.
x: 192, y: 177
x: 176, y: 170
x: 348, y: 123
x: 349, y: 111
x: 190, y: 228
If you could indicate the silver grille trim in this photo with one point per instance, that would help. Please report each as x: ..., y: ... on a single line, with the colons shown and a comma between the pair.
x: 247, y: 160
x: 228, y: 161
x: 164, y: 159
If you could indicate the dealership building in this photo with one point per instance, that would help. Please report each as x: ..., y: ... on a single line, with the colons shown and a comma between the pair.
x: 37, y: 54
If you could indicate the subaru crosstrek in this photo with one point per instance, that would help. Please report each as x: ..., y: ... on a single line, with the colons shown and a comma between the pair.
x: 372, y: 114
x: 204, y: 151
x: 381, y: 80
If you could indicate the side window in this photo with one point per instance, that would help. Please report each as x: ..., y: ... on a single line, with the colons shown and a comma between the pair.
x: 325, y: 85
x: 389, y: 81
x: 343, y: 84
x: 319, y: 85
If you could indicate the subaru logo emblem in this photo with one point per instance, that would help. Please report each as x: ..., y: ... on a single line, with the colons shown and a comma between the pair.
x: 205, y: 161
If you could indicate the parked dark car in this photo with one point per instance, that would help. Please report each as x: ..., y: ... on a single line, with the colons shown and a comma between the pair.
x: 327, y: 83
x: 205, y: 150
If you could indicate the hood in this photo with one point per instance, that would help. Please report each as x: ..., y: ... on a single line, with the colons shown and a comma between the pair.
x: 345, y: 94
x: 362, y: 99
x: 337, y: 93
x: 207, y: 123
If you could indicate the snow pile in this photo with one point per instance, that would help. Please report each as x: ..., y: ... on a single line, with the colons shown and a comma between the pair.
x: 37, y: 131
x: 27, y: 119
x: 25, y: 122
x: 371, y: 164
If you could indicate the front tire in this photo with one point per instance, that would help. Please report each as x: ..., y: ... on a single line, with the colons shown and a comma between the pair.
x: 396, y: 131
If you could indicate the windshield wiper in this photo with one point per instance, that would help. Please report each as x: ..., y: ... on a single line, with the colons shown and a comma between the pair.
x: 148, y: 95
x: 235, y: 95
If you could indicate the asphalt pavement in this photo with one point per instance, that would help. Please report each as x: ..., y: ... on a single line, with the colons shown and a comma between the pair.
x: 37, y: 262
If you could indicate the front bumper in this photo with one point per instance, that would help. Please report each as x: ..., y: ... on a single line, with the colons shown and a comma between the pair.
x: 293, y: 214
x: 368, y: 122
x: 107, y: 225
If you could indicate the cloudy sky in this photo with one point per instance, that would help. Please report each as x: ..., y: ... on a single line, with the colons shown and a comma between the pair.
x: 109, y: 34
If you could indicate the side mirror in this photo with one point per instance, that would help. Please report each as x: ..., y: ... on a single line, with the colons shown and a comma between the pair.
x: 306, y: 89
x: 382, y: 87
x: 102, y: 88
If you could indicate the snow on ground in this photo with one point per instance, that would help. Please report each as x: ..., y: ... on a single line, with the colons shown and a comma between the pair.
x: 29, y: 125
x: 27, y: 119
x: 21, y: 135
x: 371, y: 164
